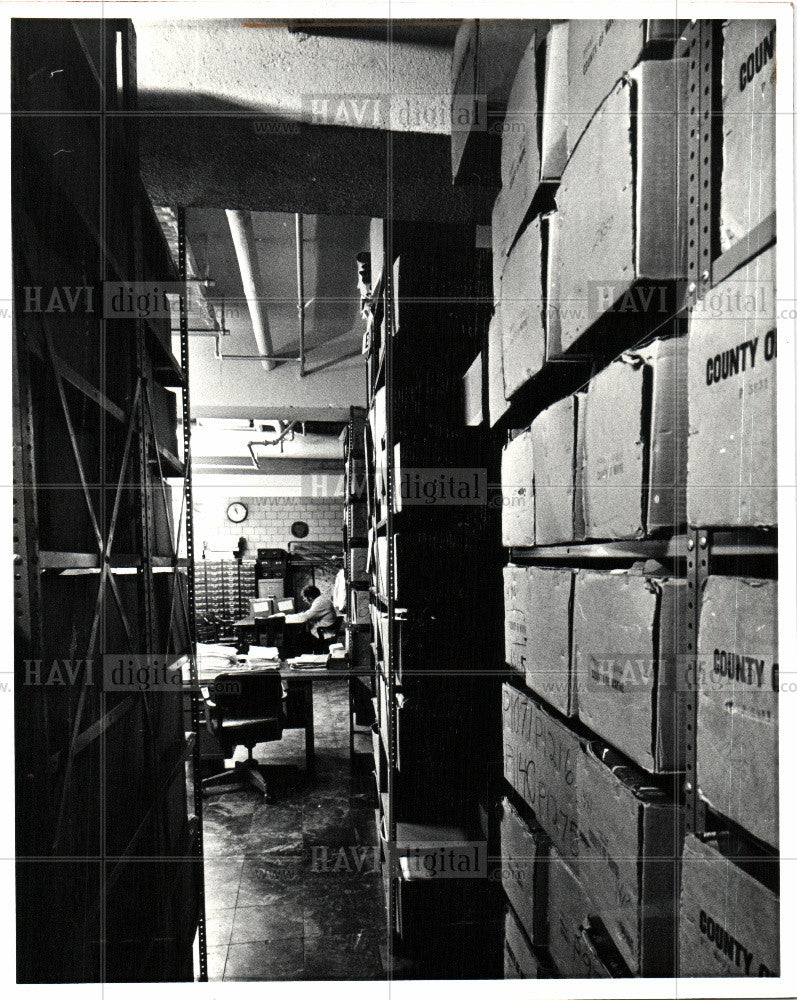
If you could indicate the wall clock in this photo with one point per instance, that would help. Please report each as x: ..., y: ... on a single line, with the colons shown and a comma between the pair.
x: 237, y: 512
x: 299, y: 529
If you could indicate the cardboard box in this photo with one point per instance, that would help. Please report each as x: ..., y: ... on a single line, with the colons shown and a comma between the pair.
x: 522, y: 331
x: 377, y: 416
x: 405, y: 559
x: 468, y: 110
x: 164, y: 416
x: 737, y: 707
x: 501, y: 241
x: 520, y: 960
x: 553, y: 305
x: 558, y: 514
x: 732, y: 453
x: 624, y: 655
x: 747, y: 188
x: 578, y: 945
x: 377, y: 250
x: 523, y: 868
x: 634, y: 449
x: 484, y: 63
x: 600, y: 51
x: 553, y: 142
x: 495, y: 370
x: 517, y: 492
x: 729, y: 920
x: 355, y: 485
x: 359, y: 613
x: 357, y: 519
x: 163, y: 518
x: 540, y: 760
x: 520, y: 157
x: 377, y: 420
x: 629, y: 834
x: 567, y: 911
x: 516, y: 620
x: 537, y: 624
x: 616, y: 830
x: 380, y: 560
x: 472, y: 394
x: 622, y: 213
x: 358, y: 564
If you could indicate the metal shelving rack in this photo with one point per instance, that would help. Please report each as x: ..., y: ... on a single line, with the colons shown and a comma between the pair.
x: 359, y: 635
x: 188, y: 503
x: 429, y: 675
x: 692, y: 553
x: 705, y: 270
x: 97, y: 768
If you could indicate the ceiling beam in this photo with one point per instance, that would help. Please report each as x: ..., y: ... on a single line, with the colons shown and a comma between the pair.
x: 290, y: 166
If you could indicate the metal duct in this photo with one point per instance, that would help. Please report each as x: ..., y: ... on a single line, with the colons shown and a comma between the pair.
x: 243, y: 237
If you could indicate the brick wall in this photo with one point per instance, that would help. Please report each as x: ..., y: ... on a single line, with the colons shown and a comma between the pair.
x: 268, y: 524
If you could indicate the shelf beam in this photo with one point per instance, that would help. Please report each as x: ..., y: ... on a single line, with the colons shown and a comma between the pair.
x: 756, y: 241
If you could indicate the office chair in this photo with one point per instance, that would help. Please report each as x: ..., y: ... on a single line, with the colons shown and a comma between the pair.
x: 336, y: 632
x: 244, y: 709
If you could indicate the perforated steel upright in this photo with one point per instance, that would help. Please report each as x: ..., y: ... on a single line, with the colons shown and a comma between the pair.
x: 190, y: 586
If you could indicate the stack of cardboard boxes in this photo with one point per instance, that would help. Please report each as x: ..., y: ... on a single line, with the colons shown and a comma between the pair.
x: 676, y: 432
x: 592, y: 165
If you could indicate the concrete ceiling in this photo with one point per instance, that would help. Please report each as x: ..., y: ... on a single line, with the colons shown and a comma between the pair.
x: 263, y: 67
x: 227, y: 379
x: 249, y: 115
x: 260, y: 117
x: 330, y: 246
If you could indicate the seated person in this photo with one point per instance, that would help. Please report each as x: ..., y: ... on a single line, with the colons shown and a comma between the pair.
x: 320, y: 617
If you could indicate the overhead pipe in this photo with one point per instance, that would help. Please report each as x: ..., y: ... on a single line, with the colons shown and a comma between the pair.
x: 243, y: 237
x: 285, y: 430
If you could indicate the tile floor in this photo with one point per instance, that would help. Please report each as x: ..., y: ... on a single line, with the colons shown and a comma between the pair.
x: 292, y: 888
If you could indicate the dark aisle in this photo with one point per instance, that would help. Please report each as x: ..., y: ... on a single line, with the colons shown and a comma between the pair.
x: 291, y: 888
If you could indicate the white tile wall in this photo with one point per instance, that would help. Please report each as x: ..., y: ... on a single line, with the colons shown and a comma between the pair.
x: 268, y: 524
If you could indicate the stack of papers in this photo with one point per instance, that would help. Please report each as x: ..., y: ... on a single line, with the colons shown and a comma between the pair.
x: 261, y: 653
x: 309, y: 660
x: 212, y: 656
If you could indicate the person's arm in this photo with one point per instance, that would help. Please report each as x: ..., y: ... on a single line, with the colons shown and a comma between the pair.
x: 313, y: 613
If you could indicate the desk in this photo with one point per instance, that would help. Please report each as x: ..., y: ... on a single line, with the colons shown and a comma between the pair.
x: 288, y: 627
x: 299, y: 701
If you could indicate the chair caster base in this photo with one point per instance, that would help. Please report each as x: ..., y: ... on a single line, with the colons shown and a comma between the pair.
x: 244, y: 775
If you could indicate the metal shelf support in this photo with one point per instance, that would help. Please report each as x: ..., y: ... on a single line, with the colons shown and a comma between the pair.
x: 190, y: 586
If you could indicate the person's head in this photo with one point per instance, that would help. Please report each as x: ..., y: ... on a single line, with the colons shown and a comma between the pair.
x: 310, y: 593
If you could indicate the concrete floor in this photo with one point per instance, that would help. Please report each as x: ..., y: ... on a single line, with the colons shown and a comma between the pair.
x: 292, y: 889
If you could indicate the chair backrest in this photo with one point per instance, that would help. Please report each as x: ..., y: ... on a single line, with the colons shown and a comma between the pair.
x: 247, y: 695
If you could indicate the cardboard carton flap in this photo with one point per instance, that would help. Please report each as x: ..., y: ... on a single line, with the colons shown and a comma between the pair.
x: 631, y: 778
